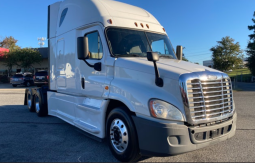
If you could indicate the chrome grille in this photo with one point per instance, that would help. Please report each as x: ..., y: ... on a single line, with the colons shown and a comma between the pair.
x: 208, y: 99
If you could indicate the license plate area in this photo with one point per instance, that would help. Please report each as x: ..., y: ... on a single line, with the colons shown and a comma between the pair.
x: 40, y: 77
x: 208, y: 133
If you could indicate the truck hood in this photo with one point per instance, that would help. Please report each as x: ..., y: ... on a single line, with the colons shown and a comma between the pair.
x: 170, y: 68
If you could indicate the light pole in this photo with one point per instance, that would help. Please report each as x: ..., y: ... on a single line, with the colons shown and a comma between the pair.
x: 41, y: 41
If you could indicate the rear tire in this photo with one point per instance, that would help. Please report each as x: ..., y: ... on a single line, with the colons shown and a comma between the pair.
x: 121, y: 136
x: 14, y: 85
x: 40, y: 108
x: 30, y: 101
x: 38, y: 85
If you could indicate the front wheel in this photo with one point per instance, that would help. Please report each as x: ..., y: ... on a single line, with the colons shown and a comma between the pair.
x: 121, y: 136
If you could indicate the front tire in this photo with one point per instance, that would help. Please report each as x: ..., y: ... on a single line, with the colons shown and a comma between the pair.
x: 121, y: 136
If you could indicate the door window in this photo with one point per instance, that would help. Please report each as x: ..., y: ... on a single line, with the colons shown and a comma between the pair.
x: 95, y: 45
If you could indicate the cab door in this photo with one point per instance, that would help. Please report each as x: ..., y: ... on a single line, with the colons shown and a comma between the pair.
x: 91, y: 80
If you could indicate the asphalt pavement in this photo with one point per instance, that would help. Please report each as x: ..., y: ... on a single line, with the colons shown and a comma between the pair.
x: 26, y: 137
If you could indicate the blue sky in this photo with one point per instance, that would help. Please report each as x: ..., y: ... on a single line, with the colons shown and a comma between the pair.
x: 194, y: 24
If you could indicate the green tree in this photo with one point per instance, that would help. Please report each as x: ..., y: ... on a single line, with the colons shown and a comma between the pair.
x: 183, y: 56
x: 27, y: 57
x: 227, y: 54
x: 251, y: 48
x: 23, y: 58
x: 185, y: 59
x: 10, y: 59
x: 9, y: 43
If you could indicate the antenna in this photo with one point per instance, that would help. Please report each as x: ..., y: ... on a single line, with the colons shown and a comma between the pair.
x: 41, y: 41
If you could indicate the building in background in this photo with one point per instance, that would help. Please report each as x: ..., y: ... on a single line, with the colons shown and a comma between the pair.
x: 245, y: 61
x: 15, y: 69
x: 2, y: 51
x: 208, y: 63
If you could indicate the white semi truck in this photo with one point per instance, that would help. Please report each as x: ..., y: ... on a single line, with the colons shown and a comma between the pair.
x: 113, y: 73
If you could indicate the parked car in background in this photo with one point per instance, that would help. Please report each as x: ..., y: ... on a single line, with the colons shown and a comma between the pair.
x: 41, y: 78
x: 22, y: 79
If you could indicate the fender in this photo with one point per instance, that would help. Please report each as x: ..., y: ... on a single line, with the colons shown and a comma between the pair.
x: 134, y: 94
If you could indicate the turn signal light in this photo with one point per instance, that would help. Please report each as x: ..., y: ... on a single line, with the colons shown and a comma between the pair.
x: 33, y: 77
x: 47, y: 77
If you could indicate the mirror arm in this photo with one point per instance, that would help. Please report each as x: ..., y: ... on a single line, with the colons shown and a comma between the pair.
x: 88, y: 63
x: 97, y: 66
x: 159, y: 81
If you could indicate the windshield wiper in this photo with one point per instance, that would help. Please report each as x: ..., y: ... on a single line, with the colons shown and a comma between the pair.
x: 129, y: 55
x: 165, y: 56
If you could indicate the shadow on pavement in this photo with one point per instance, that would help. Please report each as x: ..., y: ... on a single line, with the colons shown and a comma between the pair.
x: 242, y: 86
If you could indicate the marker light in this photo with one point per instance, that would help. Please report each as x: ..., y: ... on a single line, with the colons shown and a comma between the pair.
x: 164, y: 30
x: 164, y: 110
x: 147, y: 26
x: 142, y: 24
x: 109, y: 21
x: 136, y: 24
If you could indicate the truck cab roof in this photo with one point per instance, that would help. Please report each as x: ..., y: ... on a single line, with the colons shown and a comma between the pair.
x: 107, y: 12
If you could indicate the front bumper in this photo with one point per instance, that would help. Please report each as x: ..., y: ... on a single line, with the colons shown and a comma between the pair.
x: 17, y: 82
x: 162, y: 139
x: 40, y: 82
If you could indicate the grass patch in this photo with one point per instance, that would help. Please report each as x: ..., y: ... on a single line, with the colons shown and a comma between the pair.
x: 237, y: 72
x: 241, y: 75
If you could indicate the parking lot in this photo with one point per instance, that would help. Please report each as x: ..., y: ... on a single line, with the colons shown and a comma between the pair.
x: 26, y: 137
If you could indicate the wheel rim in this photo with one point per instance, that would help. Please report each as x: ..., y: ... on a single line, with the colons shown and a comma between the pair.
x: 29, y: 100
x: 37, y: 106
x: 119, y: 135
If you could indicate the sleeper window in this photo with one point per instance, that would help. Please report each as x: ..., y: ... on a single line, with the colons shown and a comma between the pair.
x: 95, y: 45
x: 63, y: 15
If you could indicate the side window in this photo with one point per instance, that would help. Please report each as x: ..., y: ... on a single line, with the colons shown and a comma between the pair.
x: 63, y: 15
x: 160, y: 47
x: 95, y: 45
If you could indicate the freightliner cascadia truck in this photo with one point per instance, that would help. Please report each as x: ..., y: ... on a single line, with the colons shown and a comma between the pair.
x: 114, y: 74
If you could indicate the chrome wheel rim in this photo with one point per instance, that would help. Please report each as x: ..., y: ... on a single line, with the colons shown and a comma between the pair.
x: 29, y: 100
x: 37, y: 106
x: 119, y: 135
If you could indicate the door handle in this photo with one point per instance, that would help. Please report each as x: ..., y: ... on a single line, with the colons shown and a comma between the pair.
x: 83, y: 83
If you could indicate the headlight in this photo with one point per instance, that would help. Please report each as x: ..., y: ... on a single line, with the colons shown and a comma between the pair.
x: 164, y: 110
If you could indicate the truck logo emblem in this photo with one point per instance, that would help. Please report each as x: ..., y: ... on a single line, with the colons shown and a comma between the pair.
x: 211, y: 77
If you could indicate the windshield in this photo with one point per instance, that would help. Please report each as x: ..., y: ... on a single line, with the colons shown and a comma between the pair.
x: 41, y: 73
x: 132, y: 43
